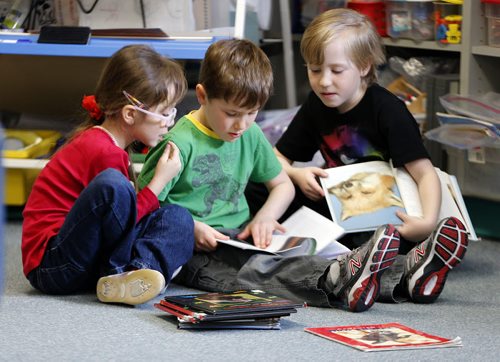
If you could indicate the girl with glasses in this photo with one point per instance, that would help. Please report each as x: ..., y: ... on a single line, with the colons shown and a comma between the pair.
x: 84, y: 222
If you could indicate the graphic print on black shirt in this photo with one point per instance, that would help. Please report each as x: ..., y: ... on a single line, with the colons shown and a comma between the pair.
x: 346, y: 145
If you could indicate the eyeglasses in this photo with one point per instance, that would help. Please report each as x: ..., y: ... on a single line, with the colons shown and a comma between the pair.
x: 141, y: 107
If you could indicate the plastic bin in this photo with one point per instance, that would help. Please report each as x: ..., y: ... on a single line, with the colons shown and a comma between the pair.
x: 373, y: 10
x: 24, y: 144
x: 413, y: 97
x: 476, y: 179
x: 492, y: 13
x: 411, y: 19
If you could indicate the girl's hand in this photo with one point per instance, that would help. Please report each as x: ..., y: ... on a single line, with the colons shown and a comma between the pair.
x: 305, y: 179
x: 261, y: 228
x: 205, y: 237
x: 167, y: 168
x: 414, y: 228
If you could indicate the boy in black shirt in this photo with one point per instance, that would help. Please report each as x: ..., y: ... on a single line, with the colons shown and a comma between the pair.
x: 351, y: 119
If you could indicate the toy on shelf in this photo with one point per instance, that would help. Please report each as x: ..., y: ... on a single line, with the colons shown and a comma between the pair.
x: 448, y: 21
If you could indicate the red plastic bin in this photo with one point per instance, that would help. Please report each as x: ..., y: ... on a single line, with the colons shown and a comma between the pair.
x: 373, y: 10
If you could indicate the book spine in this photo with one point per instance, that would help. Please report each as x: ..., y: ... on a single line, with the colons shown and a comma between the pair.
x: 184, y: 311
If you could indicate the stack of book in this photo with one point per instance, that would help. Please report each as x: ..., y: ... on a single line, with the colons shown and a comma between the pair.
x: 245, y: 309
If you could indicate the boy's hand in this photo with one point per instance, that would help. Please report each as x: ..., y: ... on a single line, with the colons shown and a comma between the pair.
x: 305, y: 179
x: 261, y: 228
x: 167, y: 168
x: 205, y: 237
x: 414, y: 228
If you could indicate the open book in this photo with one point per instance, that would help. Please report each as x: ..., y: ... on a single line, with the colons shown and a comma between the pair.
x: 307, y: 233
x: 363, y: 196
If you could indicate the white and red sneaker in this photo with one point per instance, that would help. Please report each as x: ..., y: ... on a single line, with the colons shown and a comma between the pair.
x: 358, y: 283
x: 427, y: 264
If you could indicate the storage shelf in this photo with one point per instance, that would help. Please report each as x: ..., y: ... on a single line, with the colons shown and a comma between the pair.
x: 486, y: 50
x: 427, y: 44
x: 178, y: 48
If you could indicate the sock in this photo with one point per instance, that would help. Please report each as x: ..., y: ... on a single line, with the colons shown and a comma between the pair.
x: 332, y: 276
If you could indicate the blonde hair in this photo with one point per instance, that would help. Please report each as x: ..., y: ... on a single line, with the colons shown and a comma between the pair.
x: 362, y: 42
x: 237, y: 70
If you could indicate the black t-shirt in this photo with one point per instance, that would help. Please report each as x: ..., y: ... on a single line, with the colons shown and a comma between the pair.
x: 379, y: 127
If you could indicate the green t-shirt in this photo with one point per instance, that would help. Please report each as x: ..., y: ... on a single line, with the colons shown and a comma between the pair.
x: 214, y: 173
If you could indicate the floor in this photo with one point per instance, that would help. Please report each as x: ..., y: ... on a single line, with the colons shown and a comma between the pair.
x: 36, y: 327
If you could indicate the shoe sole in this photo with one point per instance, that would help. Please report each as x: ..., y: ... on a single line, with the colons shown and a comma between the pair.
x: 135, y: 287
x: 366, y: 287
x: 426, y: 279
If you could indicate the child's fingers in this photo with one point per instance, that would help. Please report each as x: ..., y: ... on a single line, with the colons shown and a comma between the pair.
x: 320, y: 172
x: 402, y: 215
x: 318, y: 190
x: 220, y: 236
x: 244, y: 234
x: 280, y: 228
x: 262, y: 236
x: 174, y: 150
x: 167, y: 151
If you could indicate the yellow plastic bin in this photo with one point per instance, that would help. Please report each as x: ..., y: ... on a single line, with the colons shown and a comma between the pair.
x: 25, y: 144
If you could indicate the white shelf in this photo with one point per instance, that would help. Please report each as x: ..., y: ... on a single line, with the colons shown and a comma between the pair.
x: 24, y: 163
x: 27, y: 163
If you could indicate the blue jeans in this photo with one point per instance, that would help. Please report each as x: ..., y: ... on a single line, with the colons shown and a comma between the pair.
x: 100, y: 237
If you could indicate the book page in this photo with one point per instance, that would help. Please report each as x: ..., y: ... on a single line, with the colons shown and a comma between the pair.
x: 308, y: 223
x: 281, y: 244
x: 409, y: 192
x: 453, y: 203
x: 362, y: 196
x: 307, y: 233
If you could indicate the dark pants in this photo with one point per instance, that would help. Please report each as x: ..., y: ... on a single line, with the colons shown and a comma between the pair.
x: 390, y: 289
x: 100, y: 237
x: 229, y: 269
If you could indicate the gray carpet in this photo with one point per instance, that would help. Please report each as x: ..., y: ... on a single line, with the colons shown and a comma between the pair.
x: 36, y: 327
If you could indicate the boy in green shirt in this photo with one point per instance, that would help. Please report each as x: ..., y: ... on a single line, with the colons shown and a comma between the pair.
x: 221, y: 150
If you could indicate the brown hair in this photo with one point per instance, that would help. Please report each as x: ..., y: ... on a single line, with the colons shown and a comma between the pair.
x: 141, y: 71
x: 362, y: 42
x: 144, y: 73
x: 237, y: 70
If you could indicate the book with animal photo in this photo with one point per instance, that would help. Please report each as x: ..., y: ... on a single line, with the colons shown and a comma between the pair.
x: 307, y: 233
x: 363, y: 196
x: 383, y: 337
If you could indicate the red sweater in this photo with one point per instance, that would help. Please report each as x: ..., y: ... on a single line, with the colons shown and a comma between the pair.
x: 60, y: 183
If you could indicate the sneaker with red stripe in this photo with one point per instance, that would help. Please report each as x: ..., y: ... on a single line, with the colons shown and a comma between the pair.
x: 427, y: 264
x: 358, y: 284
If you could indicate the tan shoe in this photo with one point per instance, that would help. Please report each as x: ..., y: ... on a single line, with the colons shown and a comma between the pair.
x: 134, y: 287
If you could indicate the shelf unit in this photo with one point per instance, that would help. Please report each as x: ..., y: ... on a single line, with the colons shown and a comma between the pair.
x: 479, y: 74
x: 177, y: 48
x: 27, y: 46
x: 479, y: 63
